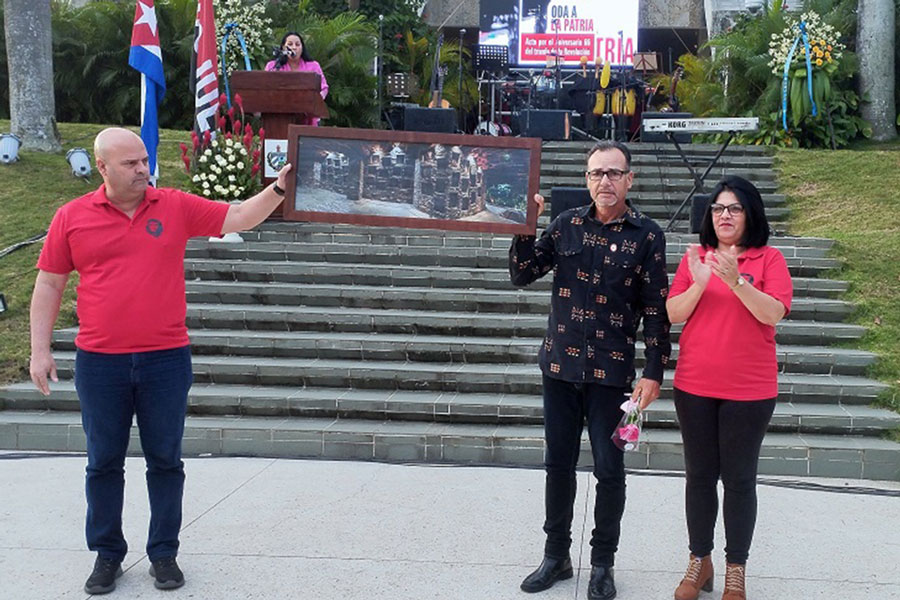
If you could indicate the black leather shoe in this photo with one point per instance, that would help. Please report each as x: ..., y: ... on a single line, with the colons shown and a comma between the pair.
x: 550, y: 571
x: 602, y: 586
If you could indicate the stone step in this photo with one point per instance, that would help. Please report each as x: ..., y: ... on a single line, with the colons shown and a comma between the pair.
x: 643, y: 162
x: 481, y: 258
x: 513, y: 301
x: 368, y: 320
x: 662, y: 211
x: 656, y: 186
x: 662, y: 149
x: 440, y: 407
x: 457, y: 377
x: 664, y: 179
x: 318, y: 233
x: 788, y: 454
x: 399, y: 276
x: 434, y: 348
x: 646, y: 199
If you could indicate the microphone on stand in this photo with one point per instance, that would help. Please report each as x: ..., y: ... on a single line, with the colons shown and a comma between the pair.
x: 460, y: 115
x: 282, y: 55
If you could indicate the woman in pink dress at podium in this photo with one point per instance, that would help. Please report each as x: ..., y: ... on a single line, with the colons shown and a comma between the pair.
x: 294, y: 57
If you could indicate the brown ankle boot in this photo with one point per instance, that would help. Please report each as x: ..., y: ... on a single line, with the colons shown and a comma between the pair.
x: 699, y: 576
x: 734, y: 582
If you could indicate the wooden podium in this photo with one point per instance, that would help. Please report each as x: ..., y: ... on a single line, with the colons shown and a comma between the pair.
x: 283, y: 98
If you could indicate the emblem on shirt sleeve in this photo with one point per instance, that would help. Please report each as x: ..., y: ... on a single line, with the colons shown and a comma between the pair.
x: 154, y: 227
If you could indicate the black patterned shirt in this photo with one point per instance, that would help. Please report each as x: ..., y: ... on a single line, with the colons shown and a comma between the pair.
x: 607, y: 277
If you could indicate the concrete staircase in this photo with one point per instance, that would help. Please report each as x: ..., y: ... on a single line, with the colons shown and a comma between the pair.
x: 405, y: 345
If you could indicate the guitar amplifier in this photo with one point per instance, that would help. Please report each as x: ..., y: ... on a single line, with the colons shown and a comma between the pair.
x: 434, y: 120
x: 699, y: 204
x: 656, y: 136
x: 564, y: 198
x: 545, y: 124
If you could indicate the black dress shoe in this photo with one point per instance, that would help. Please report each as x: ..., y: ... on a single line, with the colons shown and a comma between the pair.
x: 550, y: 571
x: 602, y: 586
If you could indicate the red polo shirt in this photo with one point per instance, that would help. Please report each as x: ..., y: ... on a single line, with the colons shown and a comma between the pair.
x: 724, y: 351
x: 131, y: 293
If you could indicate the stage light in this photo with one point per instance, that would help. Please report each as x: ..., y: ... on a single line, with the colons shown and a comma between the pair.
x: 9, y: 148
x: 80, y: 161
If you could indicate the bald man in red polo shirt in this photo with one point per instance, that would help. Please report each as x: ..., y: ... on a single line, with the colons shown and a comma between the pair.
x: 127, y: 242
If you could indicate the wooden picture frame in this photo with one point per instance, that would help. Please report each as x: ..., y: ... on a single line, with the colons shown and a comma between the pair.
x: 413, y: 179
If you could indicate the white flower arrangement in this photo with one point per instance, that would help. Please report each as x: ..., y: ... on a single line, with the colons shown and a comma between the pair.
x: 825, y: 47
x: 213, y: 164
x: 253, y: 25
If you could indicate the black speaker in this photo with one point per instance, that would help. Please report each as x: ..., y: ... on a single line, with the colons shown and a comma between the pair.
x: 564, y: 198
x: 699, y: 203
x: 545, y: 124
x: 435, y: 120
x: 659, y: 136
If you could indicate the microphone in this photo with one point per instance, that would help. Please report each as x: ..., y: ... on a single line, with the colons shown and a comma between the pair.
x: 282, y: 55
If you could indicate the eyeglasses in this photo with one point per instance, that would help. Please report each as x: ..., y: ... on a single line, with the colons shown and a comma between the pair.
x: 735, y: 210
x: 612, y: 174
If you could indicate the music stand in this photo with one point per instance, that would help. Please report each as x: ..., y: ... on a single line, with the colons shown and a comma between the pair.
x: 645, y: 61
x: 494, y: 59
x: 398, y: 85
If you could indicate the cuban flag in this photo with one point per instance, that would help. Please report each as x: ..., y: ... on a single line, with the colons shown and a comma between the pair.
x: 146, y: 57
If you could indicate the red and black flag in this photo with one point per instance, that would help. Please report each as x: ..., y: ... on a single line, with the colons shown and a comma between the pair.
x: 205, y: 69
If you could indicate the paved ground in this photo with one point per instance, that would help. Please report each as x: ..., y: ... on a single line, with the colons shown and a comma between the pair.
x: 267, y: 528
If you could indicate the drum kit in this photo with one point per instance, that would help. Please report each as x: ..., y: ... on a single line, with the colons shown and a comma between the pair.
x: 607, y: 102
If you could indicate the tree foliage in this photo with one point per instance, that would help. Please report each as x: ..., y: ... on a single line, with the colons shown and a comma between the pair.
x: 736, y: 80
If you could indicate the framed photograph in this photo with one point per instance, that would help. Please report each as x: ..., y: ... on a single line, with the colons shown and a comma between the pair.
x: 413, y: 179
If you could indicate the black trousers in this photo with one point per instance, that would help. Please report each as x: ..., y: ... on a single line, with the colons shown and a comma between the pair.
x: 566, y: 405
x: 722, y: 439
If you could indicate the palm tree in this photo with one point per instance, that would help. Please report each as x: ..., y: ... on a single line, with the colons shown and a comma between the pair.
x: 875, y: 46
x: 29, y: 54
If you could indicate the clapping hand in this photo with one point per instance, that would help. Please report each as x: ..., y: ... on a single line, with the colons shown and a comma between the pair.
x: 724, y: 265
x: 700, y: 270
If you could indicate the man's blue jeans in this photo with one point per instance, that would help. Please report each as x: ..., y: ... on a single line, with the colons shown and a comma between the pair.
x: 112, y: 389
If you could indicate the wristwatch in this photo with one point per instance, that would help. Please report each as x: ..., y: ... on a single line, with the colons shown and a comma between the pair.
x: 277, y: 189
x: 740, y: 282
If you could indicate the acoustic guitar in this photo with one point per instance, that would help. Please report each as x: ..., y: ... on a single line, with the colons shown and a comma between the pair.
x: 437, y: 77
x: 437, y: 99
x: 674, y: 103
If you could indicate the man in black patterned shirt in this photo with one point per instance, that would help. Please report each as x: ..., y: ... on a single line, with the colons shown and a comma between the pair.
x: 609, y: 265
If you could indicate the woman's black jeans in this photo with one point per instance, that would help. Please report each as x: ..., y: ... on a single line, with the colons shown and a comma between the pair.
x: 722, y: 439
x: 565, y: 407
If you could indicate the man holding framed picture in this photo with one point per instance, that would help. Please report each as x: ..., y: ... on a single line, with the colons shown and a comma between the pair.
x: 609, y: 264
